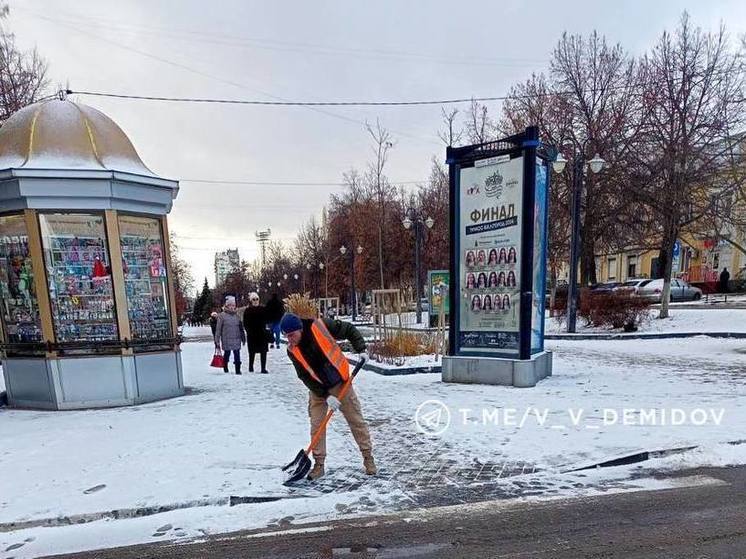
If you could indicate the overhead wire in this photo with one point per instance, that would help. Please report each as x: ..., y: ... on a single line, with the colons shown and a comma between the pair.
x: 273, y: 44
x: 212, y: 76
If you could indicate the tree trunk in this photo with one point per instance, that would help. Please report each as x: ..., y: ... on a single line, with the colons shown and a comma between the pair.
x: 587, y: 251
x: 380, y: 254
x: 665, y: 262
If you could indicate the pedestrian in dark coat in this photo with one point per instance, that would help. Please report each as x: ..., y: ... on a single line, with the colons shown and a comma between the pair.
x: 213, y: 322
x: 275, y: 310
x: 230, y: 335
x: 255, y: 323
x: 724, y: 279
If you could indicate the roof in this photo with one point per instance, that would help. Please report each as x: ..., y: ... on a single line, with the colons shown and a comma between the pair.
x: 62, y: 135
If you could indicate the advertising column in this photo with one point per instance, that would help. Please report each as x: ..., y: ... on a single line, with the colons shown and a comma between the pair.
x: 498, y: 221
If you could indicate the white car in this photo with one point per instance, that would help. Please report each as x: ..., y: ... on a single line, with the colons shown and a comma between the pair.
x: 633, y: 285
x: 680, y: 290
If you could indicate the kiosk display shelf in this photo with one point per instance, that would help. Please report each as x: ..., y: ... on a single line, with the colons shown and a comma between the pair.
x: 20, y: 310
x: 79, y: 277
x: 145, y: 277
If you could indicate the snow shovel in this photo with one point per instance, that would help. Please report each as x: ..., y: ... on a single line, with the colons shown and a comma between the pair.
x: 301, y: 465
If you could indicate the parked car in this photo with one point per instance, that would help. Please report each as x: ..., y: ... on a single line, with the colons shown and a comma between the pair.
x: 607, y: 287
x: 634, y: 285
x: 680, y: 291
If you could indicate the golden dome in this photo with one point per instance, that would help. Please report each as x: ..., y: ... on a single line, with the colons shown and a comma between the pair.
x: 60, y: 134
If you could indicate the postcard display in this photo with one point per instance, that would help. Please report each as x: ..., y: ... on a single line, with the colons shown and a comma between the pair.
x: 20, y: 311
x: 145, y: 277
x: 80, y: 285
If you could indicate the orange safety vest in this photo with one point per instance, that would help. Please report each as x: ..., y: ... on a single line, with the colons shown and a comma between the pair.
x: 329, y: 348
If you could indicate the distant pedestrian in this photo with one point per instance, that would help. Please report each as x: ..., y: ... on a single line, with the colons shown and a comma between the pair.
x: 275, y: 309
x: 230, y: 335
x: 213, y: 322
x: 724, y: 279
x: 255, y: 323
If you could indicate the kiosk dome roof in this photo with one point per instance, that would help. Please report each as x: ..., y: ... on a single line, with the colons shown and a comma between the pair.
x: 60, y: 134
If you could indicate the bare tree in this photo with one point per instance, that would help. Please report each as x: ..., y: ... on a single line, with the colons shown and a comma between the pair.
x: 693, y: 80
x: 592, y: 81
x: 450, y: 135
x: 23, y: 75
x: 583, y: 107
x: 378, y: 184
x: 181, y: 276
x: 478, y: 126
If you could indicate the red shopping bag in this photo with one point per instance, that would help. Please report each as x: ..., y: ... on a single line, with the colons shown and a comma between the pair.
x: 217, y: 360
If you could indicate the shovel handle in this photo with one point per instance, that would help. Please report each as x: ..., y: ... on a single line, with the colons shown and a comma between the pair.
x: 325, y: 421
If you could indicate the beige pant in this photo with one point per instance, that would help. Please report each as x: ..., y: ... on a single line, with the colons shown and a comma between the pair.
x: 317, y: 409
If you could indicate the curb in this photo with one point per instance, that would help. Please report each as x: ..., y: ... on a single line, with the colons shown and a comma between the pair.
x: 645, y: 336
x: 642, y: 456
x: 398, y: 371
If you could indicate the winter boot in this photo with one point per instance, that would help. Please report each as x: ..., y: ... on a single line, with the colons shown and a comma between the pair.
x: 225, y: 367
x: 369, y: 464
x: 238, y: 368
x: 317, y: 471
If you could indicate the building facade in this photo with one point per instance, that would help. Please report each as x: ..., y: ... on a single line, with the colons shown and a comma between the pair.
x: 226, y: 262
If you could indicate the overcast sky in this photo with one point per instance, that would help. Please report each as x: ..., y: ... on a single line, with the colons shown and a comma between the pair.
x: 301, y: 50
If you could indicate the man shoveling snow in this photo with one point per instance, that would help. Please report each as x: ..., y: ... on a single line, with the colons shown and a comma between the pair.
x: 322, y: 367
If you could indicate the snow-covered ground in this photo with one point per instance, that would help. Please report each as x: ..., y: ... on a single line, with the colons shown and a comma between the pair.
x: 681, y: 319
x: 230, y: 434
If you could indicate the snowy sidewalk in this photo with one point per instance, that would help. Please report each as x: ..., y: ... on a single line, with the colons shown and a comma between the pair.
x: 230, y: 434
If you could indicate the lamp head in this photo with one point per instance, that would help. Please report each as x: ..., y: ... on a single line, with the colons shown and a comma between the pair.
x: 559, y: 163
x: 596, y: 164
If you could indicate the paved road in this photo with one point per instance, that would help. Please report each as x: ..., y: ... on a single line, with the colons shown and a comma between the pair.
x: 702, y: 522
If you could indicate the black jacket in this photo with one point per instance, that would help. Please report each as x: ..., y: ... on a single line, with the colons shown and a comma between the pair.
x: 255, y: 324
x: 275, y: 309
x: 316, y: 359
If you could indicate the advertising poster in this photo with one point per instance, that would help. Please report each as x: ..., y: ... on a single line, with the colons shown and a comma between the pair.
x: 540, y: 255
x: 490, y: 201
x: 438, y: 282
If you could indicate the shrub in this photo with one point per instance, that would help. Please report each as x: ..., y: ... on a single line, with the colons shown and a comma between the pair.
x: 613, y: 309
x: 393, y: 349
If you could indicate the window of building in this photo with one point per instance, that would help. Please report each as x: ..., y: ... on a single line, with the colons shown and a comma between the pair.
x: 612, y: 268
x: 76, y: 256
x: 143, y: 260
x: 20, y: 310
x: 632, y: 266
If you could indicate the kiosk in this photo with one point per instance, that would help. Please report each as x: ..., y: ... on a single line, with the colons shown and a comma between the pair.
x: 87, y: 307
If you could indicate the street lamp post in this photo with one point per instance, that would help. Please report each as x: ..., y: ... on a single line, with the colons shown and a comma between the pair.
x: 343, y: 251
x: 578, y: 171
x: 418, y: 219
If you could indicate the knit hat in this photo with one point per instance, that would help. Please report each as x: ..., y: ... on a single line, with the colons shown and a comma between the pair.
x: 290, y: 323
x: 230, y: 299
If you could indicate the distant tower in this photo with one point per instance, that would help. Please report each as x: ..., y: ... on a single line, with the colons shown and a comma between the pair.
x: 262, y: 237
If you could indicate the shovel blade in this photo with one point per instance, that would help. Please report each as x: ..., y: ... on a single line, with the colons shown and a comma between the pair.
x: 297, y: 460
x: 300, y: 468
